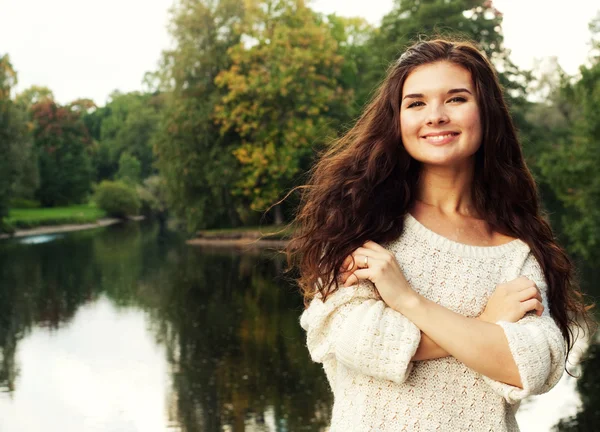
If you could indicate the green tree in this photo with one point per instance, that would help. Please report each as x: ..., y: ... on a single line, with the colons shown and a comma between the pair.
x: 572, y: 165
x: 14, y: 137
x: 279, y: 92
x: 410, y: 20
x: 194, y: 159
x: 130, y: 169
x: 33, y: 95
x: 125, y: 125
x: 62, y: 142
x: 353, y: 35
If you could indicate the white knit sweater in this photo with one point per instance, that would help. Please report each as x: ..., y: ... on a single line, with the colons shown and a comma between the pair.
x: 366, y: 347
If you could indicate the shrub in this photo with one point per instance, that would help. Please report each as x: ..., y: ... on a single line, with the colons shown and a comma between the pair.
x: 117, y: 199
x: 24, y: 203
x: 6, y: 227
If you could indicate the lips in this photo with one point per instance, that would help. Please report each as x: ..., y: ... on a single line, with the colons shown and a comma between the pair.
x: 440, y: 137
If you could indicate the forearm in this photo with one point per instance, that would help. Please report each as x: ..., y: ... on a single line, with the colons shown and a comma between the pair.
x: 481, y: 346
x: 429, y: 350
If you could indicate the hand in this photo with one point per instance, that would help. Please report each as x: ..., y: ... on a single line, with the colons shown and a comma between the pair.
x: 382, y: 269
x: 512, y: 300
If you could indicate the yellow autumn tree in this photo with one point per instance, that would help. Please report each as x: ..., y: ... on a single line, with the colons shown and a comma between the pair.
x: 283, y: 83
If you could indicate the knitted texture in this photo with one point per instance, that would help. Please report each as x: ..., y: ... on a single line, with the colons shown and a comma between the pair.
x: 366, y: 347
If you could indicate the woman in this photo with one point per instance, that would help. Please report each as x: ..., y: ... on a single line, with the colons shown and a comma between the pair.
x: 437, y: 297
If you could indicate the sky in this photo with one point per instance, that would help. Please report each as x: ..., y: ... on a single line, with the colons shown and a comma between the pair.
x: 89, y: 48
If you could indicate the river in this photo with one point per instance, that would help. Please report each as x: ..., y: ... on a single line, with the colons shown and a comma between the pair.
x: 126, y: 329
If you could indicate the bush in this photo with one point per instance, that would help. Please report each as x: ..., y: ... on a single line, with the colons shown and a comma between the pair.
x: 6, y: 227
x: 24, y: 203
x: 117, y: 199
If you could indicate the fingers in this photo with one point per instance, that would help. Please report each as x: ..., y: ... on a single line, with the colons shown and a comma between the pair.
x: 522, y: 283
x: 374, y: 246
x: 532, y: 304
x: 352, y: 262
x: 347, y: 263
x: 355, y: 277
x: 528, y: 293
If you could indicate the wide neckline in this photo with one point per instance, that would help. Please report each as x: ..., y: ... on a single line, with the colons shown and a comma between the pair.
x: 463, y: 249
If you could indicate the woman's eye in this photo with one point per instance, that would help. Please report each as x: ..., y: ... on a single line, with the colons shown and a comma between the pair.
x: 458, y: 99
x: 414, y: 104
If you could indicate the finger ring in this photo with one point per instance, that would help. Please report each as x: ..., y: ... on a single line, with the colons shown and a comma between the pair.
x: 366, y: 262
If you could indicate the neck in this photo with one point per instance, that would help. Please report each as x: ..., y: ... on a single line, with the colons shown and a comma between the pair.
x: 448, y: 189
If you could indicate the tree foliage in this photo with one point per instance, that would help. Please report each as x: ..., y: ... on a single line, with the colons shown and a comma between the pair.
x: 130, y: 169
x: 14, y: 137
x: 33, y: 95
x: 280, y: 91
x: 126, y: 124
x: 62, y: 142
x: 195, y: 160
x: 571, y: 166
x: 117, y: 199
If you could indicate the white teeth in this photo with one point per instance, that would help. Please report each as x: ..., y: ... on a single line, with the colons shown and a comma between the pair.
x: 439, y: 137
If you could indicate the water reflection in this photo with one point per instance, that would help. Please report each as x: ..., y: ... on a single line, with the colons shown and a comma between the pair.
x: 37, y: 239
x: 125, y: 329
x: 221, y: 347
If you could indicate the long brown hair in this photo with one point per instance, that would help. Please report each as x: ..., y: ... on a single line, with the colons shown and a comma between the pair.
x: 368, y: 168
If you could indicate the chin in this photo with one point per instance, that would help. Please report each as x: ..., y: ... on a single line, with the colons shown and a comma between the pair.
x: 444, y: 161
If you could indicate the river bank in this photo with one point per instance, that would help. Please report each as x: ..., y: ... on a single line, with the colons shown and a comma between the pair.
x: 239, y: 239
x: 53, y: 229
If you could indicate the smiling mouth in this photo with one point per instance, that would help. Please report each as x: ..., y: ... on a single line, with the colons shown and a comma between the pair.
x: 441, y: 138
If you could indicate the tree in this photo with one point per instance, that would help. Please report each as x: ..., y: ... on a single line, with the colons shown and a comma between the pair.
x: 14, y: 144
x: 194, y: 159
x: 353, y: 36
x: 33, y: 95
x: 125, y: 125
x: 572, y: 165
x: 279, y: 93
x: 130, y: 169
x: 409, y: 20
x: 62, y: 142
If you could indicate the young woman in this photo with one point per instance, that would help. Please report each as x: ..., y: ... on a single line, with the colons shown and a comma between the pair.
x: 437, y: 298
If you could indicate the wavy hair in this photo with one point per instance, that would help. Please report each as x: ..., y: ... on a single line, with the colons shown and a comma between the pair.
x: 369, y: 168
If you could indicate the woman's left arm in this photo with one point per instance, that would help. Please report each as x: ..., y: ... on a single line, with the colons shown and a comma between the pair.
x: 527, y: 356
x: 536, y: 344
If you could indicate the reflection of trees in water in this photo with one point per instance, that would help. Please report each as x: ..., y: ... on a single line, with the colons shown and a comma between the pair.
x: 44, y: 284
x: 588, y: 385
x: 588, y: 382
x: 41, y: 286
x: 236, y: 347
x: 234, y: 343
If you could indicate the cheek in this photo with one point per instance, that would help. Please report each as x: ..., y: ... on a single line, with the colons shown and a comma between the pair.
x: 471, y: 120
x: 409, y: 126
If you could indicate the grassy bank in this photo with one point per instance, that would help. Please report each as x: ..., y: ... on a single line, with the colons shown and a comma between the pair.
x: 35, y: 217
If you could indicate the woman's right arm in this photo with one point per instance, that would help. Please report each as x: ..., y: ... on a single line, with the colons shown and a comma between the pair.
x: 429, y: 350
x: 354, y: 328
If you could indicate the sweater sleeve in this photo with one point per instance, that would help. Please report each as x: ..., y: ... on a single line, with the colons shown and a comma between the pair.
x: 361, y: 332
x: 536, y: 343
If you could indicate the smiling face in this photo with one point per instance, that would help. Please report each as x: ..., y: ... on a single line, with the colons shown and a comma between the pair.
x: 439, y: 115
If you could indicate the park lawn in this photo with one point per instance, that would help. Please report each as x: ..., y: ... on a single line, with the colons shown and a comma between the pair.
x: 31, y: 218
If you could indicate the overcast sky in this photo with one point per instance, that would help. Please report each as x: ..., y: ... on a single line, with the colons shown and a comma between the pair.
x: 85, y: 48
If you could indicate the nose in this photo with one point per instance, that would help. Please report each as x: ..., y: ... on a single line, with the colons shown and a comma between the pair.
x: 437, y: 116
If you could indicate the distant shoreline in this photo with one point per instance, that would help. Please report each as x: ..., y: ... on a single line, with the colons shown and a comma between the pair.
x: 238, y: 243
x: 53, y: 229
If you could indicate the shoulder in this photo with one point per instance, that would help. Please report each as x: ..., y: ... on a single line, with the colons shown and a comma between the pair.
x: 533, y: 270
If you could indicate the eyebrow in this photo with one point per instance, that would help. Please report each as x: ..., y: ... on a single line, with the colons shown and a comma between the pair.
x: 451, y: 91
